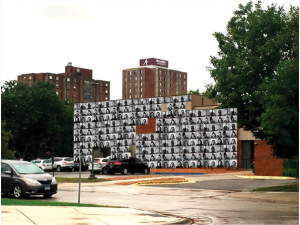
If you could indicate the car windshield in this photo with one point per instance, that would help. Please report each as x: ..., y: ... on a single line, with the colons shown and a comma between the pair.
x: 25, y: 168
x: 47, y: 160
x: 96, y: 160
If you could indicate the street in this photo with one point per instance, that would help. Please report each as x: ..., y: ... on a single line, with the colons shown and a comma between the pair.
x: 202, y: 205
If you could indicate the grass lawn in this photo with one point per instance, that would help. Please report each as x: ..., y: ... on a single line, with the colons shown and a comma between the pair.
x: 30, y: 202
x: 76, y: 180
x: 294, y: 187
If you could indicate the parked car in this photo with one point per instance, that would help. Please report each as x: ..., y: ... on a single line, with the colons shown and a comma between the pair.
x: 44, y: 164
x: 21, y: 178
x: 84, y: 166
x: 125, y: 166
x: 99, y: 163
x: 63, y: 163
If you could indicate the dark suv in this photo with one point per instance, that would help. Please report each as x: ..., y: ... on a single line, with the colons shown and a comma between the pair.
x: 22, y: 178
x: 125, y: 166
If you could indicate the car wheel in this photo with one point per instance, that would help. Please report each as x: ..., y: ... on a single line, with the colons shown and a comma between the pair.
x: 104, y: 171
x: 146, y: 171
x: 17, y: 191
x: 58, y: 169
x: 125, y: 171
x: 47, y: 195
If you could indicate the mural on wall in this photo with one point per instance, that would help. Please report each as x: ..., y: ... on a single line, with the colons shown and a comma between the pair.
x: 183, y: 138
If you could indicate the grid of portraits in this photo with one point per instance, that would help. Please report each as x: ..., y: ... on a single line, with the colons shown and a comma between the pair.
x: 183, y: 138
x: 112, y: 124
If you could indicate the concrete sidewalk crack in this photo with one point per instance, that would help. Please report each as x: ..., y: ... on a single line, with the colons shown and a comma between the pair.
x: 26, y: 216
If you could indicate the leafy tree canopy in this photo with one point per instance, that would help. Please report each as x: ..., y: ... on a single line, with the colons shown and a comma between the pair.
x: 257, y: 71
x: 38, y: 120
x: 6, y: 136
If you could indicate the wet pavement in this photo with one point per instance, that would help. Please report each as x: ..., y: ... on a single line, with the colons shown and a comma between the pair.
x: 230, y: 184
x: 199, y: 205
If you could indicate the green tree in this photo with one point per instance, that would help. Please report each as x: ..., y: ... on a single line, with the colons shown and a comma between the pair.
x: 257, y: 71
x: 39, y: 121
x: 5, y: 138
x: 191, y: 92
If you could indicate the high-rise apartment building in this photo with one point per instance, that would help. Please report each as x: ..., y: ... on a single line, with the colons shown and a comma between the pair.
x: 75, y: 83
x: 153, y: 78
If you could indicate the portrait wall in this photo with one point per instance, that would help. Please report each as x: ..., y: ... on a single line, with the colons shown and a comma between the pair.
x: 183, y: 138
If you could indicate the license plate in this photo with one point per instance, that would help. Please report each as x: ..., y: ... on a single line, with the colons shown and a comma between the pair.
x: 47, y: 187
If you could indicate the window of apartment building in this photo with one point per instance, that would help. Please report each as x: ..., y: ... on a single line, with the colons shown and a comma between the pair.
x: 100, y: 90
x: 141, y: 72
x: 24, y: 78
x: 50, y: 77
x: 135, y: 72
x: 74, y: 80
x: 135, y: 96
x: 129, y: 73
x: 57, y: 77
x: 68, y: 80
x: 57, y: 86
x: 74, y: 87
x: 29, y: 77
x: 68, y: 86
x: 106, y: 98
x: 57, y: 92
x: 184, y: 76
x: 106, y: 85
x: 74, y: 94
x: 68, y: 94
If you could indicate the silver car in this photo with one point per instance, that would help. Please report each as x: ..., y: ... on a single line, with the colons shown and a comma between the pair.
x: 44, y: 164
x: 21, y: 178
x: 98, y: 164
x: 63, y: 163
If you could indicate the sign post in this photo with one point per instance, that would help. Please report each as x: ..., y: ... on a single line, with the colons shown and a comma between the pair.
x: 79, y: 178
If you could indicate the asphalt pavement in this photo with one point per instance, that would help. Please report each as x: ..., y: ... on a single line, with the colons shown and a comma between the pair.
x: 243, y: 185
x: 169, y: 204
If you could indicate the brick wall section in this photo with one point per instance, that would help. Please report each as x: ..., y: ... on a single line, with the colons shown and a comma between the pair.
x: 147, y: 129
x: 265, y: 163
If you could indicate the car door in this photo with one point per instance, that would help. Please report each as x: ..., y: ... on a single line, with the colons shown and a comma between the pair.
x: 130, y: 165
x: 138, y: 165
x: 6, y: 179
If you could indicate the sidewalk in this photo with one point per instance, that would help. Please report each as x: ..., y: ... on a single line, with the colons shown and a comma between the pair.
x: 43, y: 215
x: 274, y: 197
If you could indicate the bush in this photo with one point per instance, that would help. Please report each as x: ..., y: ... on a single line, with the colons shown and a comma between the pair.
x: 291, y: 167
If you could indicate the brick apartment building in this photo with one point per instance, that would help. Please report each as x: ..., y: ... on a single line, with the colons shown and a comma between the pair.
x: 152, y: 78
x: 75, y: 83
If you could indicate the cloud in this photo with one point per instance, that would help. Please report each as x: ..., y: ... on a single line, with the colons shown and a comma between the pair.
x: 59, y: 10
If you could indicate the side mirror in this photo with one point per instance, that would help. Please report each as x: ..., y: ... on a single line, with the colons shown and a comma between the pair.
x: 8, y: 172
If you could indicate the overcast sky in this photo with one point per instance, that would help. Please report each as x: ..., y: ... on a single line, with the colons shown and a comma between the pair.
x: 109, y: 36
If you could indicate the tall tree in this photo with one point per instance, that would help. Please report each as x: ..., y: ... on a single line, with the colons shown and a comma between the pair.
x: 257, y: 71
x: 6, y: 136
x: 39, y: 121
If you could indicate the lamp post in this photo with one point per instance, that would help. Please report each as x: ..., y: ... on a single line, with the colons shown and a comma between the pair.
x: 92, y: 175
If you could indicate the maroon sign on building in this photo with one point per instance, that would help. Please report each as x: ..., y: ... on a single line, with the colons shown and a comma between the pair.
x: 154, y: 62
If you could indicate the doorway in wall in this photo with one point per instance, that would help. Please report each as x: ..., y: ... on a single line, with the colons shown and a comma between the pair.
x: 247, y: 154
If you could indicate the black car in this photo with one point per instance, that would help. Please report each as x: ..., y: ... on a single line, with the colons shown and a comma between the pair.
x: 125, y: 166
x: 21, y: 178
